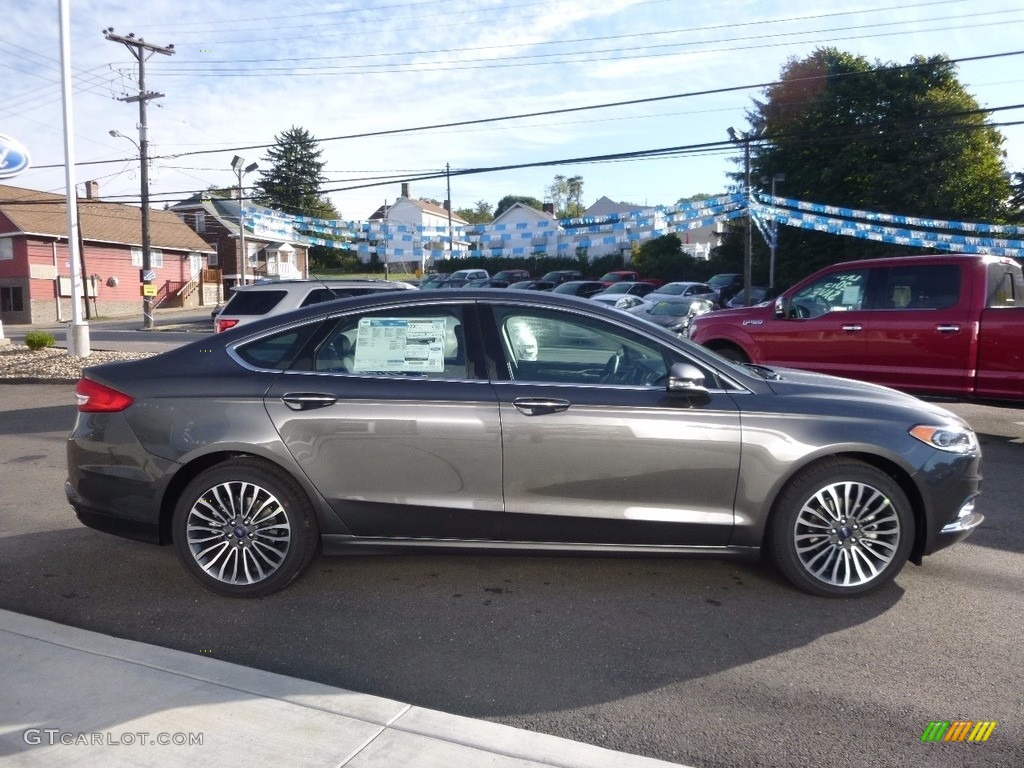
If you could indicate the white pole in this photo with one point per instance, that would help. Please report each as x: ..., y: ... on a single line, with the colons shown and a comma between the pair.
x: 78, y: 330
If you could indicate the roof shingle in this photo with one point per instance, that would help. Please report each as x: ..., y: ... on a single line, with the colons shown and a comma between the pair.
x: 44, y: 213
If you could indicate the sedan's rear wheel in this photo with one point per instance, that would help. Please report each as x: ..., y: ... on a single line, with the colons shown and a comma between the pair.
x: 244, y: 528
x: 842, y: 528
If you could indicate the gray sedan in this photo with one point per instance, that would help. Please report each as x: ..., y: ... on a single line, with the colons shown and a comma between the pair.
x: 514, y: 420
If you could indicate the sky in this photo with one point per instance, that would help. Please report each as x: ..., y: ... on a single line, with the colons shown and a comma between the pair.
x: 244, y: 73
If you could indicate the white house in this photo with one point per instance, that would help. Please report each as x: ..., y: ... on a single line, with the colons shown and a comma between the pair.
x: 522, y: 230
x: 418, y: 231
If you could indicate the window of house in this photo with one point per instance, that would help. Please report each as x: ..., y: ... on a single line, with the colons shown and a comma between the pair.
x: 11, y: 299
x: 6, y: 249
x: 200, y: 222
x: 156, y: 257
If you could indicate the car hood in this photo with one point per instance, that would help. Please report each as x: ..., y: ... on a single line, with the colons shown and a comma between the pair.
x: 796, y: 383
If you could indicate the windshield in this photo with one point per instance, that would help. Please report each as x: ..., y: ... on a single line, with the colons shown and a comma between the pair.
x: 670, y: 308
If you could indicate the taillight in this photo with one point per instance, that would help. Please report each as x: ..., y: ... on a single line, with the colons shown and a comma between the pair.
x: 94, y: 397
x: 223, y: 325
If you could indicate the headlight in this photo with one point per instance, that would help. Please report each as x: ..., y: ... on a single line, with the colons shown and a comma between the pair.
x: 946, y: 438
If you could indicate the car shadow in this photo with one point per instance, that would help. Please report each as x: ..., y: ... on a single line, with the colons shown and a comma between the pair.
x: 489, y: 637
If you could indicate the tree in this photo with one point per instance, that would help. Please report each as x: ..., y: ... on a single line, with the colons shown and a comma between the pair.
x: 566, y: 195
x: 292, y: 183
x: 663, y: 257
x: 482, y: 213
x: 896, y: 139
x: 509, y: 200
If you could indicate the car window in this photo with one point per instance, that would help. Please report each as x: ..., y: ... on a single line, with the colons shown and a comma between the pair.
x: 929, y: 286
x: 279, y: 351
x: 252, y: 302
x: 834, y: 292
x: 319, y: 295
x: 560, y: 348
x: 421, y: 342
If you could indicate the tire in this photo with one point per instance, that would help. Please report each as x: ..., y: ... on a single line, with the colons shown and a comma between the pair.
x: 244, y: 528
x: 841, y: 528
x: 732, y: 354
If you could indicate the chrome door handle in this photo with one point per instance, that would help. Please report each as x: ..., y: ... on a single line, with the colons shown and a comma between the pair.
x: 307, y: 401
x: 947, y: 328
x: 853, y: 328
x: 538, y: 406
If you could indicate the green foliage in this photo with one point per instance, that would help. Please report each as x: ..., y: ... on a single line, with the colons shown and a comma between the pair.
x: 482, y: 213
x: 895, y: 139
x: 509, y: 200
x: 39, y: 339
x: 663, y: 258
x: 567, y: 196
x: 292, y: 184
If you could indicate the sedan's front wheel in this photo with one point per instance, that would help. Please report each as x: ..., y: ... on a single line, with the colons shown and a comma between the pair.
x: 244, y: 528
x: 842, y: 528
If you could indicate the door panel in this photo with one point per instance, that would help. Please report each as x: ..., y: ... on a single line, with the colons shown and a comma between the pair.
x: 622, y: 455
x: 595, y: 450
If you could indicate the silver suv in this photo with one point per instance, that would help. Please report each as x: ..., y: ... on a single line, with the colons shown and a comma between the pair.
x: 272, y: 297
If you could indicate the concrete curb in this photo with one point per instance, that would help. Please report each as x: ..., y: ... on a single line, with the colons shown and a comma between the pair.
x: 72, y: 696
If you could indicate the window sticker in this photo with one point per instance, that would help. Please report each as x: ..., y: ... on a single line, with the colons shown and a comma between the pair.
x: 400, y: 345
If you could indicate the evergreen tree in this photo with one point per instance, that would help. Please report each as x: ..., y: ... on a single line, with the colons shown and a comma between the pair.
x: 292, y: 183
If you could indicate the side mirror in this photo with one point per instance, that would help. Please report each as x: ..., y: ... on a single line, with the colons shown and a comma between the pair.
x: 781, y: 307
x: 687, y: 380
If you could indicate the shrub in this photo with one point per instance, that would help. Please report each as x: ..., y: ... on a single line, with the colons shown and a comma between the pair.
x: 39, y: 339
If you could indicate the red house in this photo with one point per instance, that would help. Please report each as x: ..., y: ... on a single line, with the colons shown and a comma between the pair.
x: 35, y: 272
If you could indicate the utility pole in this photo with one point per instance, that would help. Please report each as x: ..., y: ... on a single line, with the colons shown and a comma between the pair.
x: 748, y: 244
x: 142, y: 50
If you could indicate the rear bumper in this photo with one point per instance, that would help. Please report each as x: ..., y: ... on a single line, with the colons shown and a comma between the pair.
x: 119, y: 526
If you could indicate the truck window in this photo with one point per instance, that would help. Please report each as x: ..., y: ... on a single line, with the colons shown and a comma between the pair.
x: 929, y: 286
x: 1005, y: 287
x: 835, y: 292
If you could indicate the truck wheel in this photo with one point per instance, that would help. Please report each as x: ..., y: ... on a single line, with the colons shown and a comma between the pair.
x: 732, y: 354
x: 842, y: 528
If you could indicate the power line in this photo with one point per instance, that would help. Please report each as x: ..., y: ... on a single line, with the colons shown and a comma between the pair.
x: 568, y: 110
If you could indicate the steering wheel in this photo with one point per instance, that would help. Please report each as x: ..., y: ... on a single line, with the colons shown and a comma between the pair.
x: 618, y: 361
x: 815, y: 306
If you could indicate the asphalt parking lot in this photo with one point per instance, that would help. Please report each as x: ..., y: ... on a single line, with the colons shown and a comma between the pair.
x: 700, y: 662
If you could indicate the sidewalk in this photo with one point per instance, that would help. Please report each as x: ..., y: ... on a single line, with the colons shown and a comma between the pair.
x: 72, y: 697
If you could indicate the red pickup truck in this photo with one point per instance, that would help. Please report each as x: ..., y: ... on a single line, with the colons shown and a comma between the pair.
x: 625, y: 275
x: 949, y: 325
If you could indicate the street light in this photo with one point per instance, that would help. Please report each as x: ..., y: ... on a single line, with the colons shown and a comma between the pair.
x: 147, y: 263
x: 236, y: 166
x: 744, y: 138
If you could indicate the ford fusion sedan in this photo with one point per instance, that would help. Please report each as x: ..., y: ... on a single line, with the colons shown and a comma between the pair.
x: 507, y: 421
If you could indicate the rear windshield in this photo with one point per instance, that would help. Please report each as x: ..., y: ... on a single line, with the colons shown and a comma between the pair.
x: 252, y: 302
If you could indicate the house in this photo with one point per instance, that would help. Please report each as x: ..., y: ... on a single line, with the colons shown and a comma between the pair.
x: 35, y: 271
x: 521, y: 230
x: 417, y: 231
x: 636, y: 223
x: 279, y: 254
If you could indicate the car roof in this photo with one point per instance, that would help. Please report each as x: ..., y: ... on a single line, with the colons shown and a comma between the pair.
x: 270, y: 285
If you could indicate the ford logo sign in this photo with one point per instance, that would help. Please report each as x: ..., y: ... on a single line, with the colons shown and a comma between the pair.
x: 13, y: 157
